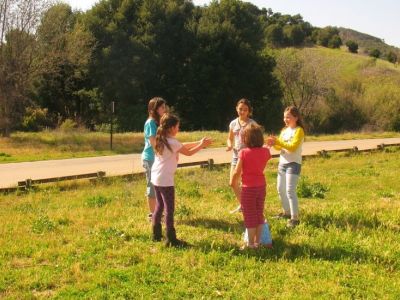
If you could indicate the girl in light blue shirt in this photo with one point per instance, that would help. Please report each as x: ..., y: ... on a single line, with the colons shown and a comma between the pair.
x: 156, y: 109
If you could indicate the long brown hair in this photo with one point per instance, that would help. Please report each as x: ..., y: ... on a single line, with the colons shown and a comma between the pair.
x: 247, y: 103
x: 153, y: 106
x: 166, y: 123
x: 294, y: 111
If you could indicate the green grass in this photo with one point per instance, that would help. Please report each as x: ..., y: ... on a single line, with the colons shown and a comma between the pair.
x: 22, y: 146
x: 92, y: 240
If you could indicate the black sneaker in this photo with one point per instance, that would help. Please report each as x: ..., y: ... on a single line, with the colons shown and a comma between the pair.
x: 292, y: 223
x: 282, y: 216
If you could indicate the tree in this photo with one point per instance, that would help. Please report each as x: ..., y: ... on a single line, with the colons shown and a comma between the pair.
x: 20, y: 60
x: 335, y: 42
x: 375, y: 53
x: 328, y: 37
x: 143, y: 49
x: 306, y: 78
x: 226, y: 66
x: 62, y: 88
x: 392, y: 57
x: 200, y: 59
x: 274, y: 35
x: 352, y: 46
x: 294, y: 34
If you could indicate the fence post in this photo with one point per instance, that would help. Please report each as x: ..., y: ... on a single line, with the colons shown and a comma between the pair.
x: 210, y: 164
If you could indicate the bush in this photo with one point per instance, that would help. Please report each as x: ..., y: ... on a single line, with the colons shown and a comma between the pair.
x: 352, y: 46
x: 374, y: 53
x: 106, y: 127
x: 391, y: 57
x: 68, y: 125
x: 342, y: 112
x: 43, y: 224
x: 306, y: 189
x: 35, y: 119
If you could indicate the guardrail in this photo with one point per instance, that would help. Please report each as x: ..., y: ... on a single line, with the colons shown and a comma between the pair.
x: 29, y: 183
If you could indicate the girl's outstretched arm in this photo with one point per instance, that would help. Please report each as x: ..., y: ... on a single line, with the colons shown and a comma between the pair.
x: 189, y: 151
x: 190, y: 145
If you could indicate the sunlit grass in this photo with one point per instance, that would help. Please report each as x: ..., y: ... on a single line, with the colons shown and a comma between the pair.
x: 92, y: 240
x: 47, y: 145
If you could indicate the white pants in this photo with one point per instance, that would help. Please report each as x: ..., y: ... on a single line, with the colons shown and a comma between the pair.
x: 288, y: 175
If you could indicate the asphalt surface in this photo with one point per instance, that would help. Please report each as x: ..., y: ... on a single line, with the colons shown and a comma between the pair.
x: 11, y: 173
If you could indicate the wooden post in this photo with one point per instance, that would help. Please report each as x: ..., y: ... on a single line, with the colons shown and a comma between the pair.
x: 381, y: 147
x: 210, y: 164
x: 111, y: 124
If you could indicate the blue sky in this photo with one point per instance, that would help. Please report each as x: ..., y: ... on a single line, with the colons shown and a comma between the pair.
x: 377, y: 18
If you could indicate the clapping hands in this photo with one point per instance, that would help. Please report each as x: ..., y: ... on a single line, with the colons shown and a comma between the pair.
x: 271, y: 140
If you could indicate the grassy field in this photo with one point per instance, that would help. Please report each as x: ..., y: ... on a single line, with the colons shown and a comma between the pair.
x: 92, y: 240
x: 58, y: 145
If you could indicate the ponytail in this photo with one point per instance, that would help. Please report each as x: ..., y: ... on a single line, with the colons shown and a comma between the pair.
x: 167, y: 122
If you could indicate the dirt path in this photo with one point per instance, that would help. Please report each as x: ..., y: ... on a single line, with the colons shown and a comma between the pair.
x: 11, y: 173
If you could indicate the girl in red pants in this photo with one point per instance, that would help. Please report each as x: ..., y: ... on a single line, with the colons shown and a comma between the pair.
x: 251, y: 165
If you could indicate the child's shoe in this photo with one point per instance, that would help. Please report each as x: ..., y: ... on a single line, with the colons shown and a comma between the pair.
x: 157, y: 232
x: 282, y: 216
x: 292, y: 223
x: 237, y: 210
x: 172, y: 241
x: 246, y: 247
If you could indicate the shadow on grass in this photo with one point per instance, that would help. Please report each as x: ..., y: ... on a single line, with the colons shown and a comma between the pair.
x: 349, y: 221
x: 291, y: 252
x: 217, y: 224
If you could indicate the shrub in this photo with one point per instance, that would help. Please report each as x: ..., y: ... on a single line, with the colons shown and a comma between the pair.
x: 306, y: 189
x: 68, y: 125
x: 43, y: 224
x: 97, y: 201
x: 35, y: 119
x: 352, y: 46
x: 375, y: 53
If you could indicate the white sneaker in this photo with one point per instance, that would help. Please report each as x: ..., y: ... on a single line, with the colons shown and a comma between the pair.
x: 236, y: 210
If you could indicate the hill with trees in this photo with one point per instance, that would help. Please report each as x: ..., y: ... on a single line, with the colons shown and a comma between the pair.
x: 368, y: 44
x: 69, y: 66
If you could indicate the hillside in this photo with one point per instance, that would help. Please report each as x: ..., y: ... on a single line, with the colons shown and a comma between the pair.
x: 362, y: 93
x: 366, y: 41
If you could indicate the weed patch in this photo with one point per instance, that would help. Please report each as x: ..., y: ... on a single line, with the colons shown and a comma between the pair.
x: 43, y: 224
x: 306, y: 189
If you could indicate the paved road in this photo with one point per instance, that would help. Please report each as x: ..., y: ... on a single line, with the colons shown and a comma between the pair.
x: 10, y: 174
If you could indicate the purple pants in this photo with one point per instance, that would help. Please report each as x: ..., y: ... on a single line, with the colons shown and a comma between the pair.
x: 165, y: 198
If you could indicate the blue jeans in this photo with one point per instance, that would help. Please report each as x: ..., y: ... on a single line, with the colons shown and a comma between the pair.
x: 147, y: 164
x: 288, y: 175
